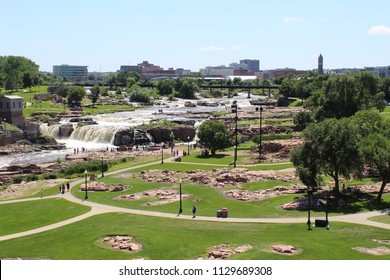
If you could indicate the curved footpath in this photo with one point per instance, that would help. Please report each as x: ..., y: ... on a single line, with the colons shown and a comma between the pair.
x: 359, y: 218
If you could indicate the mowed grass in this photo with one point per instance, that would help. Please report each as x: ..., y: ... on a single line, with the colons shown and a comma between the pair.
x: 381, y: 219
x: 23, y: 216
x: 207, y: 199
x: 176, y: 239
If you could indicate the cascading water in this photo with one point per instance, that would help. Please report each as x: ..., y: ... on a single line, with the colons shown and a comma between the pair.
x: 94, y: 133
x: 52, y: 131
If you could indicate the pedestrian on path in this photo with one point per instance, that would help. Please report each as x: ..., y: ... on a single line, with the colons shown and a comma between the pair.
x: 41, y: 193
x: 193, y: 211
x: 67, y: 186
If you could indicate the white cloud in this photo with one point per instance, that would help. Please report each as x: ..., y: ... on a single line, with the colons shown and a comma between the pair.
x: 292, y: 19
x: 211, y: 49
x: 379, y: 30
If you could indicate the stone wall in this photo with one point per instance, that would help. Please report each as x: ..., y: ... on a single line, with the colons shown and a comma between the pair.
x: 9, y: 137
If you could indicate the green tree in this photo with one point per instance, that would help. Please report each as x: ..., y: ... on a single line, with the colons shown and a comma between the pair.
x: 214, y: 135
x: 307, y: 168
x: 140, y: 95
x: 165, y: 87
x: 75, y: 96
x: 302, y: 120
x: 333, y: 147
x: 186, y: 87
x: 17, y: 70
x: 95, y: 92
x: 112, y: 80
x: 385, y: 87
x: 345, y: 95
x: 30, y: 79
x: 376, y: 153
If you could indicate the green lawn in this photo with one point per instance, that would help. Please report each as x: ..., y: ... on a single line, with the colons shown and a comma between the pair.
x: 23, y: 216
x: 176, y: 239
x: 382, y: 219
x: 105, y: 109
x: 208, y: 200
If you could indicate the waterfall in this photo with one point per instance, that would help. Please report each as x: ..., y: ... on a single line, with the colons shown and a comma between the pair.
x: 94, y: 133
x: 52, y: 131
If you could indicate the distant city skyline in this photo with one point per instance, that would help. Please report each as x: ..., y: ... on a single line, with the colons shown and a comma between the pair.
x: 194, y: 35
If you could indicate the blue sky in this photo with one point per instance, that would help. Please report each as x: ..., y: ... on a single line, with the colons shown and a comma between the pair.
x: 195, y: 34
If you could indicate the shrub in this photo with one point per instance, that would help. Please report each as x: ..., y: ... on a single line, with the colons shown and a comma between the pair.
x: 17, y: 179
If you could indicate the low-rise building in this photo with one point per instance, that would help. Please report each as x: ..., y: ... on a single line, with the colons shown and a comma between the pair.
x: 11, y: 110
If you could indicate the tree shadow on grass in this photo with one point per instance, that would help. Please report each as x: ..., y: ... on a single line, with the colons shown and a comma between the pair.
x: 216, y: 156
x: 349, y: 204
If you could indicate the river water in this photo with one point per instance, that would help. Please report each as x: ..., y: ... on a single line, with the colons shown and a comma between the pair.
x: 100, y: 136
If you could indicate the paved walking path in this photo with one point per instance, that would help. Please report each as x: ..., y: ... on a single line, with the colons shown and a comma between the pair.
x: 96, y: 208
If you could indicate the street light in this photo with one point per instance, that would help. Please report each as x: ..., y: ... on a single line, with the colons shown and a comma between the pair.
x: 102, y: 167
x: 327, y: 208
x: 260, y: 109
x: 5, y: 123
x: 181, y: 202
x: 235, y: 110
x: 173, y: 141
x: 162, y: 153
x: 309, y: 192
x: 188, y: 139
x: 86, y: 186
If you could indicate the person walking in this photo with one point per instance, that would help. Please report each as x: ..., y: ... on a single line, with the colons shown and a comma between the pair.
x: 193, y: 211
x: 67, y: 186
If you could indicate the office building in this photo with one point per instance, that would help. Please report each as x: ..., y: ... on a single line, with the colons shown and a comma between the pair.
x: 71, y: 72
x: 253, y: 65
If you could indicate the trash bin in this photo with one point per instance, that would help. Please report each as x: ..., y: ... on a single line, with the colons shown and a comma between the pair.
x: 219, y: 213
x: 224, y: 213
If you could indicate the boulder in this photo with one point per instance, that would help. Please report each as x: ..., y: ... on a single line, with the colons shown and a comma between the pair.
x: 284, y: 249
x: 65, y: 130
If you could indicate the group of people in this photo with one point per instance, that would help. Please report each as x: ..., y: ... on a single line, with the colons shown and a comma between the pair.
x: 77, y: 150
x: 64, y: 187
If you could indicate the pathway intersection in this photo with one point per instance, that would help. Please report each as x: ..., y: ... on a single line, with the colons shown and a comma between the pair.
x: 96, y: 208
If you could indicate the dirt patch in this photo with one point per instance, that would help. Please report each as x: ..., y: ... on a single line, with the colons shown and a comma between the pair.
x: 217, y: 178
x: 103, y: 187
x: 28, y: 188
x: 164, y: 196
x: 378, y: 251
x: 387, y: 242
x: 245, y: 195
x: 122, y: 243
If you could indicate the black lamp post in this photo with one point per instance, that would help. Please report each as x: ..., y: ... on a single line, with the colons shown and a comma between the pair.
x: 188, y: 139
x: 235, y: 110
x: 86, y: 186
x: 309, y: 192
x: 260, y: 109
x: 102, y: 167
x: 173, y: 142
x: 162, y: 152
x: 180, y: 197
x: 327, y: 208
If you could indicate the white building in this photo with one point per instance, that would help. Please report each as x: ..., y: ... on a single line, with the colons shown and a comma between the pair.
x: 217, y: 71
